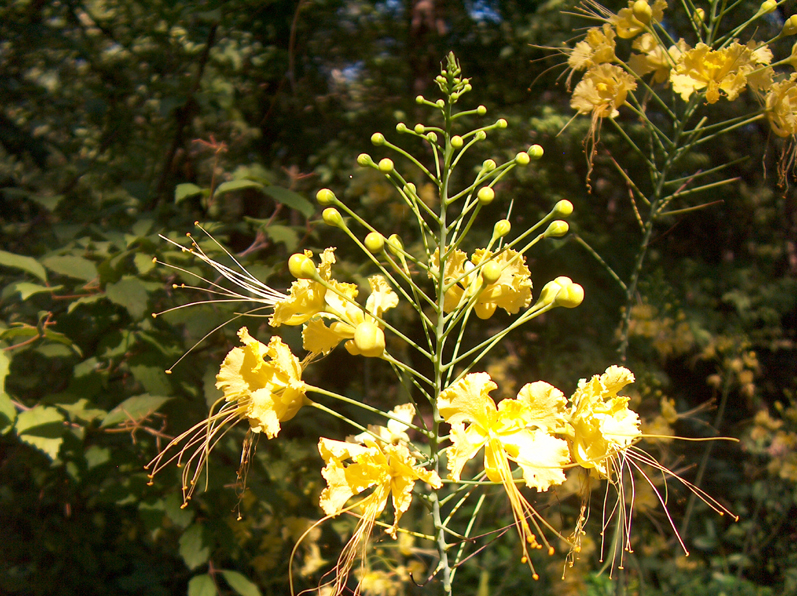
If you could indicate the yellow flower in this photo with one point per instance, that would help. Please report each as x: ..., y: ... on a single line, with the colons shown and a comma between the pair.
x: 603, y: 425
x: 352, y: 468
x: 307, y: 297
x: 518, y: 430
x: 603, y: 89
x: 349, y: 322
x: 727, y: 70
x: 654, y: 58
x: 781, y: 106
x: 261, y: 384
x: 511, y: 291
x: 629, y: 26
x: 596, y: 48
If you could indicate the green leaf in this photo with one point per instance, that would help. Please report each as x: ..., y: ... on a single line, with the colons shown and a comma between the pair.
x: 134, y: 408
x: 202, y: 585
x: 237, y: 185
x: 143, y: 262
x: 84, y: 300
x: 240, y: 584
x: 183, y: 191
x: 27, y: 289
x: 193, y: 550
x: 153, y: 378
x: 131, y: 293
x: 290, y: 199
x: 288, y: 236
x: 8, y: 413
x: 76, y: 267
x: 43, y: 428
x: 28, y: 264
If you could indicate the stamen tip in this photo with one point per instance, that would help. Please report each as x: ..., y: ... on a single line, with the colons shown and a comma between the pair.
x: 184, y: 505
x: 550, y: 550
x: 154, y: 259
x: 524, y: 560
x: 535, y: 576
x: 168, y: 371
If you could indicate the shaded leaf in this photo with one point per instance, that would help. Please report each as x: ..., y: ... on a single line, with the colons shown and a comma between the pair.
x: 193, y: 549
x: 43, y: 428
x: 27, y: 289
x: 232, y: 185
x: 76, y: 267
x: 153, y: 378
x: 290, y: 199
x: 130, y: 293
x: 28, y: 264
x: 8, y: 413
x: 240, y: 584
x: 184, y: 191
x: 201, y: 585
x: 288, y: 236
x: 134, y: 408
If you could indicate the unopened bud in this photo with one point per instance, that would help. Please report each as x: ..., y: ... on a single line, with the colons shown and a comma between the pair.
x: 480, y: 135
x: 790, y: 26
x: 457, y: 142
x: 481, y: 110
x: 440, y: 103
x: 378, y: 138
x: 570, y: 296
x: 767, y: 6
x: 419, y: 128
x: 491, y: 272
x: 332, y: 217
x: 365, y: 160
x: 642, y: 11
x: 394, y: 244
x: 432, y: 136
x: 488, y: 165
x: 375, y: 242
x: 410, y: 190
x: 562, y: 209
x: 501, y: 228
x: 500, y: 123
x: 699, y: 16
x: 522, y: 159
x: 369, y: 339
x: 557, y: 229
x: 419, y: 99
x: 301, y: 266
x: 535, y: 151
x: 401, y: 127
x: 485, y: 195
x: 325, y: 197
x: 386, y: 165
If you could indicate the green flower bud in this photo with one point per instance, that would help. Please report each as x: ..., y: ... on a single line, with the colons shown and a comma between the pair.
x: 481, y: 135
x: 332, y: 217
x: 699, y: 16
x: 549, y: 292
x: 386, y: 165
x: 419, y: 128
x: 419, y: 99
x: 457, y: 142
x: 500, y: 123
x: 557, y: 229
x: 767, y: 7
x: 325, y: 197
x: 481, y: 110
x: 790, y: 26
x: 378, y: 138
x: 570, y: 296
x: 401, y: 127
x: 501, y: 228
x: 301, y: 266
x: 491, y: 272
x: 485, y: 195
x: 394, y: 244
x: 522, y: 159
x: 432, y: 136
x: 365, y: 160
x: 467, y: 87
x: 535, y: 151
x: 375, y: 242
x: 410, y: 189
x: 563, y: 208
x: 369, y: 339
x: 440, y: 103
x: 642, y: 11
x: 488, y: 165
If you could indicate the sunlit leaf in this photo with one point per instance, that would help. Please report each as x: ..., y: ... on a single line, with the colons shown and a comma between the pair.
x: 134, y: 408
x: 232, y: 185
x: 76, y: 267
x: 43, y: 428
x: 290, y: 199
x: 240, y: 584
x: 28, y: 264
x: 193, y: 549
x: 201, y: 585
x: 184, y: 191
x: 130, y: 293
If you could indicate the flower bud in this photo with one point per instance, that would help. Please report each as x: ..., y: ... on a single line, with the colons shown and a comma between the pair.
x: 365, y: 160
x: 369, y: 339
x: 570, y: 296
x: 375, y: 242
x: 301, y: 266
x: 440, y: 103
x: 410, y: 190
x: 378, y: 138
x: 457, y: 142
x: 394, y: 244
x: 642, y: 11
x: 386, y: 165
x: 480, y: 135
x: 488, y: 165
x: 501, y: 228
x: 562, y: 209
x: 419, y: 128
x: 332, y: 217
x: 500, y: 123
x: 485, y: 195
x: 468, y: 87
x: 767, y: 6
x: 557, y: 229
x: 481, y: 110
x: 401, y: 127
x: 535, y: 151
x: 790, y: 26
x: 550, y: 290
x: 419, y: 99
x: 325, y: 197
x: 699, y: 16
x: 432, y: 136
x: 522, y: 159
x: 491, y: 272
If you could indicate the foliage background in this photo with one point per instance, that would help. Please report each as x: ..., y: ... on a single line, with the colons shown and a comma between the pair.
x: 103, y: 104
